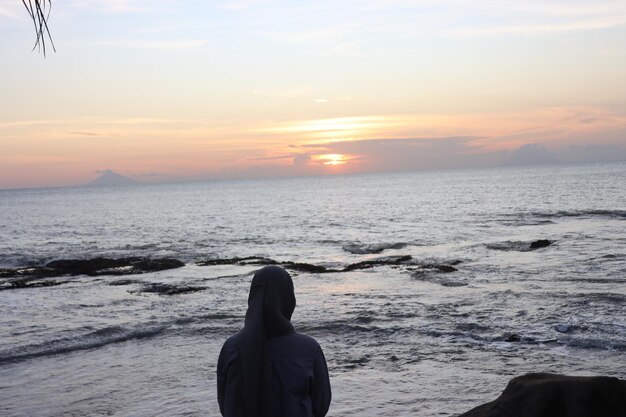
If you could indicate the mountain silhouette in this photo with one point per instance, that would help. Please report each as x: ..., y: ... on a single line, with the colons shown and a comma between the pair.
x: 110, y: 178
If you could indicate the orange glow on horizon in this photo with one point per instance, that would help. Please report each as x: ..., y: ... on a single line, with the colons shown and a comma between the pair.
x: 43, y: 152
x: 332, y: 159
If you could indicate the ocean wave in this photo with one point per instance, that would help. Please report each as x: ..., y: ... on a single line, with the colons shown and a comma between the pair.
x: 617, y: 214
x: 609, y: 297
x: 591, y: 343
x: 338, y: 328
x: 435, y: 276
x: 168, y: 289
x: 482, y: 336
x: 526, y: 222
x: 91, y: 340
x: 518, y: 245
x: 369, y: 248
x: 539, y: 218
x: 14, y: 259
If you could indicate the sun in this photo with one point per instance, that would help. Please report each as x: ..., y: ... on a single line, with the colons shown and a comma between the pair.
x: 332, y: 159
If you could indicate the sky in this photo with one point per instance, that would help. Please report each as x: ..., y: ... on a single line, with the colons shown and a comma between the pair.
x: 174, y: 90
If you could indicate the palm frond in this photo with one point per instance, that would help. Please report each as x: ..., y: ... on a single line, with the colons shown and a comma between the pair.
x: 39, y: 11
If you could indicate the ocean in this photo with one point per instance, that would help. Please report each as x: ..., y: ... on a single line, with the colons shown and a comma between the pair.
x: 423, y: 289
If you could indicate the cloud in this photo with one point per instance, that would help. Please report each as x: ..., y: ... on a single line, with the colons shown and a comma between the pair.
x: 150, y: 174
x: 241, y: 4
x: 408, y: 154
x: 531, y: 154
x: 542, y: 29
x: 468, y: 18
x: 346, y: 49
x: 612, y: 51
x: 591, y: 153
x: 124, y: 6
x: 335, y: 40
x: 294, y: 92
x: 157, y: 44
x: 282, y: 157
x: 85, y: 133
x: 13, y: 10
x: 301, y: 166
x: 411, y: 154
x: 536, y: 8
x: 302, y: 159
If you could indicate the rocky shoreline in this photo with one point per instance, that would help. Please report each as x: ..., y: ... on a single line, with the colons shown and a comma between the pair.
x: 42, y: 275
x: 34, y: 276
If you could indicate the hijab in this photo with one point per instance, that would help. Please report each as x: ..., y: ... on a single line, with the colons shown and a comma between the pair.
x: 270, y: 305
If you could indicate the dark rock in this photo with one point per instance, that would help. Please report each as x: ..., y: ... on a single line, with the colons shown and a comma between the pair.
x: 359, y: 361
x: 450, y: 283
x: 541, y: 243
x: 32, y: 276
x: 394, y: 358
x: 304, y: 267
x: 28, y: 283
x: 518, y: 246
x: 445, y: 268
x: 425, y: 268
x: 261, y: 261
x: 124, y: 282
x: 249, y: 260
x: 512, y: 337
x: 7, y: 273
x: 169, y: 289
x: 387, y: 260
x: 28, y: 272
x: 549, y: 395
x: 431, y: 272
x: 108, y: 266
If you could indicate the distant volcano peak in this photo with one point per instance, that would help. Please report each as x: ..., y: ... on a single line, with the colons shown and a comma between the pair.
x: 109, y: 178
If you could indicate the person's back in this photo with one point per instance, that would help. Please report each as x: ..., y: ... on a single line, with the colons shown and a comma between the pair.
x: 300, y: 385
x: 269, y: 370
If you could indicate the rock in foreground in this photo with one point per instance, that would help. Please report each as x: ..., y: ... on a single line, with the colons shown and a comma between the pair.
x: 548, y: 395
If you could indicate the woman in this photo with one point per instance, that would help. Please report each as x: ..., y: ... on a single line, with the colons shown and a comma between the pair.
x: 269, y: 370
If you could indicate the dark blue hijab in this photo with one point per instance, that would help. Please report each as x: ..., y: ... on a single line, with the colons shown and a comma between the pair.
x: 270, y: 305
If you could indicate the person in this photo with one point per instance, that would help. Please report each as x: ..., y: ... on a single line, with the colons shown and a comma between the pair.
x: 268, y: 369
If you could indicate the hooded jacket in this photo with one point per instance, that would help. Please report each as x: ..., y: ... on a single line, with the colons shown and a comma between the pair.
x: 269, y: 370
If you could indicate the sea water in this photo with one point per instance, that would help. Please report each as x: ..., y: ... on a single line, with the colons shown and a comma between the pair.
x: 401, y: 339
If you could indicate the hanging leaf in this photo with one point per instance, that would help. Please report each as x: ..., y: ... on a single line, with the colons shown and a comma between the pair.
x: 39, y: 11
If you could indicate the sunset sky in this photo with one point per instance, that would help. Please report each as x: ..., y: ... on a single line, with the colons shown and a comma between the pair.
x: 168, y: 90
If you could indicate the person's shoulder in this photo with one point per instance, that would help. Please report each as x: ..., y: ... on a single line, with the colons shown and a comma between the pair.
x: 305, y: 342
x: 293, y: 346
x: 303, y: 338
x: 228, y: 355
x: 232, y: 340
x: 230, y: 345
